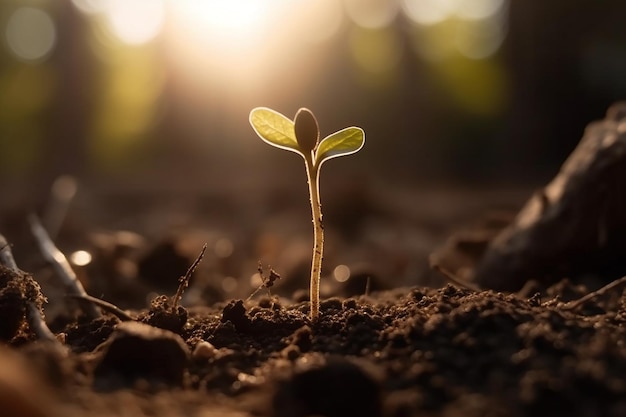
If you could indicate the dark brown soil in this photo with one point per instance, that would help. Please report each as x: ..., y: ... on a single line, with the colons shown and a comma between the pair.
x: 405, y: 352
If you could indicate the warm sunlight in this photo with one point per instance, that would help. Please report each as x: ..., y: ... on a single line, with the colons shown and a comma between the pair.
x: 225, y: 41
x: 229, y: 18
x: 135, y: 22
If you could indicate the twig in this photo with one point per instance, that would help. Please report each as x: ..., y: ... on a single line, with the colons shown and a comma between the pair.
x: 38, y: 324
x: 60, y: 264
x: 105, y: 305
x: 6, y: 256
x: 452, y: 278
x: 265, y: 282
x: 34, y: 315
x: 572, y: 305
x: 62, y: 194
x: 183, y: 282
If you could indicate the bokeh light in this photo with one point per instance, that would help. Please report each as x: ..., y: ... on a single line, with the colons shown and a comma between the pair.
x: 229, y: 284
x: 444, y: 28
x: 372, y: 14
x: 132, y: 84
x: 430, y: 12
x: 199, y: 59
x: 477, y: 9
x: 30, y: 33
x: 427, y: 12
x: 480, y: 39
x: 376, y: 52
x: 135, y: 22
x: 341, y: 273
x: 223, y: 248
x: 81, y: 258
x: 90, y: 6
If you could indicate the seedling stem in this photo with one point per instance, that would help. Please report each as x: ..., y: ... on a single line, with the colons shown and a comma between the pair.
x: 302, y: 137
x: 313, y: 177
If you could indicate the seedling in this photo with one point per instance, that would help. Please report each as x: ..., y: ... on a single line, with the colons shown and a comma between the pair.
x: 302, y: 136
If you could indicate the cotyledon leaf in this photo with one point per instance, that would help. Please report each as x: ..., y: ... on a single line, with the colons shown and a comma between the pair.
x: 274, y: 128
x: 344, y: 142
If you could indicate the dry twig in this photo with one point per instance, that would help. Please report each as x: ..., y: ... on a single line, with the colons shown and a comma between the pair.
x: 266, y: 282
x: 183, y: 282
x: 572, y: 305
x: 105, y: 305
x: 62, y: 194
x: 38, y: 324
x: 34, y: 315
x: 6, y: 256
x: 60, y: 264
x: 451, y: 277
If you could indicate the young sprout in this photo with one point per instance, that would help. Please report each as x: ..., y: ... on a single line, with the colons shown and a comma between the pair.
x: 302, y: 136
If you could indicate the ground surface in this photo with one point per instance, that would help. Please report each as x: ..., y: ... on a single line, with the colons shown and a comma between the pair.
x: 405, y: 351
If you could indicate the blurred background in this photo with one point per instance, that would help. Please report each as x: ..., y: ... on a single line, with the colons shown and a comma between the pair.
x: 143, y: 106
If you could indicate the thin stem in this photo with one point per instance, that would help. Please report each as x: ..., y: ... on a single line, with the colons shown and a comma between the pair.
x: 577, y: 303
x: 312, y: 173
x: 183, y: 282
x: 105, y: 305
x: 6, y: 256
x: 60, y: 264
x: 34, y: 314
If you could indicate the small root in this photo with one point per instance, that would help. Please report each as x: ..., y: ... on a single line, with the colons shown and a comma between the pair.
x: 453, y: 278
x: 572, y: 305
x: 105, y: 305
x: 183, y: 282
x: 60, y: 264
x: 266, y: 282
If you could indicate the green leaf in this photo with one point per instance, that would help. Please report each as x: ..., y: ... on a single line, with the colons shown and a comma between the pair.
x: 274, y: 128
x: 344, y: 142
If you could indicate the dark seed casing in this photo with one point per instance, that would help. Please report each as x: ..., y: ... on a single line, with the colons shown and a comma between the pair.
x: 307, y: 130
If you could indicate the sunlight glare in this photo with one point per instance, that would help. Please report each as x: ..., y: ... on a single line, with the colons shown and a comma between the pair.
x: 135, y: 22
x: 318, y: 21
x: 225, y: 40
x: 224, y: 17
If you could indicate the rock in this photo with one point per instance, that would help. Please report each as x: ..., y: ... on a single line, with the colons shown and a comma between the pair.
x: 235, y: 312
x: 577, y: 223
x: 137, y: 351
x: 338, y: 388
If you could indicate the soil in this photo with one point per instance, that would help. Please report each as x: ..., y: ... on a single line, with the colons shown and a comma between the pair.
x: 379, y: 348
x: 405, y: 352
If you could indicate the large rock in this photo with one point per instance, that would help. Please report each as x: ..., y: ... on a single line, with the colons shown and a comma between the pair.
x: 137, y: 351
x: 577, y: 223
